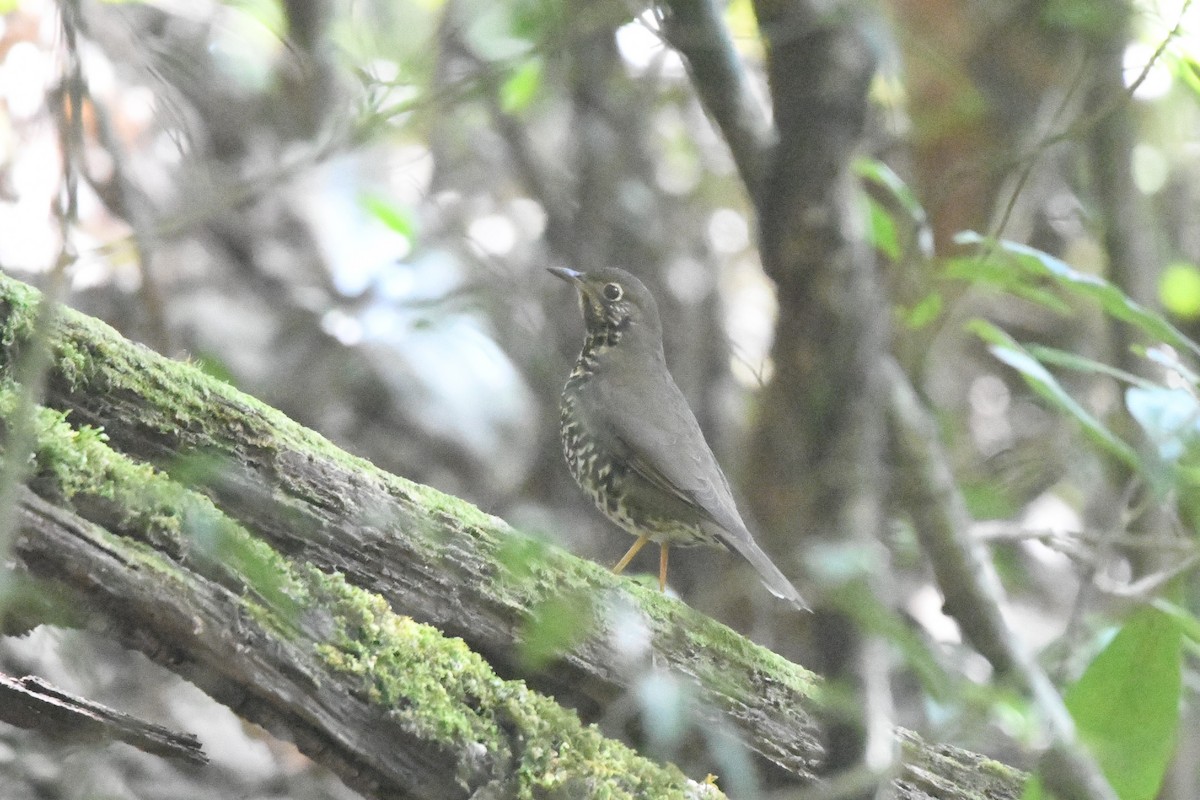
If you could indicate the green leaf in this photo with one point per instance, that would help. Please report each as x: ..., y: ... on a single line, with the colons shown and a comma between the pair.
x: 883, y: 229
x: 990, y: 333
x: 882, y: 175
x: 924, y: 312
x: 1038, y: 378
x: 1189, y: 626
x: 1063, y: 358
x: 990, y: 272
x: 1185, y: 68
x: 742, y: 22
x: 522, y: 556
x: 555, y: 624
x: 521, y: 87
x: 1126, y: 704
x: 986, y: 499
x: 390, y: 213
x: 553, y: 627
x: 1038, y: 264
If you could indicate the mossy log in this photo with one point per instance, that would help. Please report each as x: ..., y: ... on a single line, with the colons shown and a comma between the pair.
x: 320, y: 596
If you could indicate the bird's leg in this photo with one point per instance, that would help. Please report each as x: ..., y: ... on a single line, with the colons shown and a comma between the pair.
x: 662, y: 567
x: 633, y: 551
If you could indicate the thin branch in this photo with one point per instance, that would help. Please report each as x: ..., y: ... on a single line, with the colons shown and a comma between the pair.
x: 973, y: 594
x: 696, y: 30
x: 1145, y: 588
x: 126, y: 199
x: 1000, y: 531
x: 31, y: 702
x: 532, y: 171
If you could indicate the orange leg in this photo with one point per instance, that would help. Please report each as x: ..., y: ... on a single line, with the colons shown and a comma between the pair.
x: 662, y: 567
x: 633, y: 551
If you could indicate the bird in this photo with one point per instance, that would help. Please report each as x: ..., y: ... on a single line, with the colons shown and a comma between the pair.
x: 631, y: 441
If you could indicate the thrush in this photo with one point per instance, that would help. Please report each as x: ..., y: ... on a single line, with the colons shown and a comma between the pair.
x: 633, y: 444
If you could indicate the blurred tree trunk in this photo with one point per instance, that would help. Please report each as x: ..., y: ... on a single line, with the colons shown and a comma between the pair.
x: 240, y: 571
x: 819, y: 437
x: 819, y: 443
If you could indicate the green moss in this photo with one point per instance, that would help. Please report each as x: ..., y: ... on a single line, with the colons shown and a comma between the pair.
x: 444, y: 691
x: 1001, y: 770
x: 534, y: 575
x: 90, y: 355
x: 715, y: 647
x: 456, y: 508
x: 435, y: 685
x: 709, y: 636
x: 405, y: 665
x: 938, y: 769
x: 78, y: 468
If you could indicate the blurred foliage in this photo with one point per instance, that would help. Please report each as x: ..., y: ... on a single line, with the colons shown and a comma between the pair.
x: 1126, y: 706
x: 1179, y: 291
x: 1127, y: 701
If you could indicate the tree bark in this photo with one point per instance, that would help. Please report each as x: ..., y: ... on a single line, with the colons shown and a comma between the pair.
x: 317, y: 596
x: 31, y: 702
x: 820, y: 439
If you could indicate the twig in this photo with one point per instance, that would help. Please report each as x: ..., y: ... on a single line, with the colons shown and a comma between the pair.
x: 131, y: 206
x: 1001, y: 531
x: 31, y: 702
x: 1145, y: 587
x: 559, y: 224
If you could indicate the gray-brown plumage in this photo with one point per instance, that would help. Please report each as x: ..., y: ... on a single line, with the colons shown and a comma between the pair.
x: 631, y: 441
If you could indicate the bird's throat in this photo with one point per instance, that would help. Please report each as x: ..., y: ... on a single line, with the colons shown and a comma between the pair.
x: 597, y: 343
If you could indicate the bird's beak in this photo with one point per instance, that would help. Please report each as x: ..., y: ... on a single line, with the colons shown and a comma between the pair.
x: 578, y: 280
x: 568, y: 275
x: 588, y: 300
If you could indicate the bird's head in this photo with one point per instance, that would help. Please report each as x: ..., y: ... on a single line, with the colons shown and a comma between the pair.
x: 614, y: 303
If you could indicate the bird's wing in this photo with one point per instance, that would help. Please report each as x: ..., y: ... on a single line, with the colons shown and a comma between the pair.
x: 658, y: 436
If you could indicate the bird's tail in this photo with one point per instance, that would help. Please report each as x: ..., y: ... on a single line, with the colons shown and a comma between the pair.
x: 772, y: 578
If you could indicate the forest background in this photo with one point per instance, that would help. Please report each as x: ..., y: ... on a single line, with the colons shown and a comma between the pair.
x: 981, y: 212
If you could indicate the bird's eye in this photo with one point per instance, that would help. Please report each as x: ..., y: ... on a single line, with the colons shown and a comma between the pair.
x: 613, y: 292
